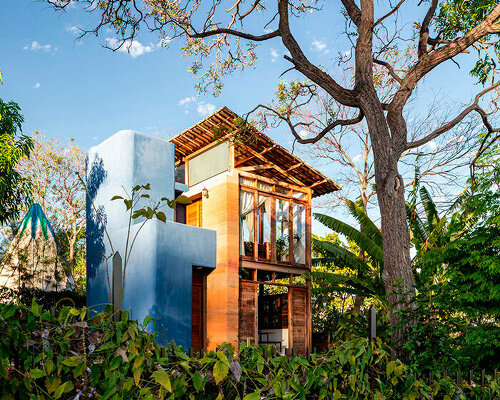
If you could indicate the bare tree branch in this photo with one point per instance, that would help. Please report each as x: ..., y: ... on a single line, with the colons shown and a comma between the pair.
x: 451, y: 124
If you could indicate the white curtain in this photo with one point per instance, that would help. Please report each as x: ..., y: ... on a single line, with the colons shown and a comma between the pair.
x: 299, y: 247
x: 246, y: 207
x: 267, y: 207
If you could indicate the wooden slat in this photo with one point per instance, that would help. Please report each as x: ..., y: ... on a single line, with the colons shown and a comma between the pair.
x: 298, y: 303
x: 248, y: 303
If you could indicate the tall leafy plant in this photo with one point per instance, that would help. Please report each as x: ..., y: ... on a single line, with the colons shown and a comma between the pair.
x: 367, y: 280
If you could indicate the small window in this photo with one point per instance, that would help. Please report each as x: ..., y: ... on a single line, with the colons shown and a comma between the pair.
x: 299, y: 195
x: 247, y: 181
x: 264, y: 186
x: 282, y: 190
x: 180, y: 173
x: 247, y: 221
x: 246, y: 273
x: 282, y: 230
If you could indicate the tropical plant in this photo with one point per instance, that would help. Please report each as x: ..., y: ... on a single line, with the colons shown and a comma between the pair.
x: 428, y: 236
x: 71, y: 355
x: 367, y: 279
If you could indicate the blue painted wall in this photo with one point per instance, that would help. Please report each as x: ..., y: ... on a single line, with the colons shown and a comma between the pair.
x: 158, y: 280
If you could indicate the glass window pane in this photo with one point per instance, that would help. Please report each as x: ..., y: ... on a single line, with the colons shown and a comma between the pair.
x: 246, y: 273
x: 264, y: 228
x: 264, y: 186
x: 282, y: 230
x: 246, y: 223
x: 246, y: 181
x: 264, y: 276
x: 299, y: 195
x: 299, y: 233
x: 282, y: 190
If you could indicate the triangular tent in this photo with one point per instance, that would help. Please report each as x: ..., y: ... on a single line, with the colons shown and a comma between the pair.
x: 31, y: 259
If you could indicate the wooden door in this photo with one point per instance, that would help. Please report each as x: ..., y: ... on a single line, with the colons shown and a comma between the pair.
x: 298, y: 319
x: 198, y: 312
x: 248, y: 323
x: 193, y: 214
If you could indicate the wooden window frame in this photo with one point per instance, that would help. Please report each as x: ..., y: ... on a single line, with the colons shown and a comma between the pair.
x: 273, y: 195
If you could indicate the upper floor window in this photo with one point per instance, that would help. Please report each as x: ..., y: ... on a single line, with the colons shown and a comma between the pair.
x: 272, y: 222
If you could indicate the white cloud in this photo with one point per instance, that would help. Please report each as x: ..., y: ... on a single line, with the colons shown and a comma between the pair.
x: 274, y: 55
x: 356, y: 158
x: 186, y: 100
x: 205, y: 109
x: 36, y: 85
x: 318, y: 45
x: 73, y: 29
x: 35, y: 46
x: 132, y: 47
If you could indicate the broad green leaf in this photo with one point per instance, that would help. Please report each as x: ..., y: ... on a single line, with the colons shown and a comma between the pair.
x: 220, y: 371
x: 60, y: 390
x: 36, y: 373
x: 71, y: 361
x: 197, y: 381
x: 117, y: 198
x: 163, y: 379
x: 253, y: 396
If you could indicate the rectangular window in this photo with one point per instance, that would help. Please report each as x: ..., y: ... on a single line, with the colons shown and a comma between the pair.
x: 299, y: 233
x: 246, y: 223
x: 272, y: 225
x: 282, y: 230
x: 209, y: 163
x: 264, y: 232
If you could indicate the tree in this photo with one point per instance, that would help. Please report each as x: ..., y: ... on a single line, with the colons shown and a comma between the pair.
x: 218, y: 34
x: 15, y: 190
x: 53, y: 169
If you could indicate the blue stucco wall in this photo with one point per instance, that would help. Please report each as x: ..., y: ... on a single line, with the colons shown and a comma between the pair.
x: 158, y: 280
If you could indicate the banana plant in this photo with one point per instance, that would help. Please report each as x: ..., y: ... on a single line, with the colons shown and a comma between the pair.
x: 366, y: 279
x: 428, y: 233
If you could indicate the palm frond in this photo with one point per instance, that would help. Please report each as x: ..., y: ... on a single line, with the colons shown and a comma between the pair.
x: 341, y: 256
x: 368, y: 227
x: 416, y: 224
x: 362, y: 240
x: 430, y: 208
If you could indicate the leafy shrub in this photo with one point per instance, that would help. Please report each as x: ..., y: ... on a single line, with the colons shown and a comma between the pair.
x: 71, y: 356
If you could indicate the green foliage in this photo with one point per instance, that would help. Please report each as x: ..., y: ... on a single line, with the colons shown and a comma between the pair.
x: 365, y: 276
x: 15, y: 191
x: 69, y: 356
x: 458, y: 315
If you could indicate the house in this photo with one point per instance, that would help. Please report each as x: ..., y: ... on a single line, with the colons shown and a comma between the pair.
x: 257, y: 196
x: 229, y: 267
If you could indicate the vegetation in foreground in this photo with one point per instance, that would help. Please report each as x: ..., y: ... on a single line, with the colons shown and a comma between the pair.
x: 70, y: 356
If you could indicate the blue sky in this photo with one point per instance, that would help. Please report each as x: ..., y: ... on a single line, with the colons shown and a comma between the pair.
x: 84, y: 91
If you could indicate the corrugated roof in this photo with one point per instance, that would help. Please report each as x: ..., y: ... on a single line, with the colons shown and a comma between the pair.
x: 259, y: 149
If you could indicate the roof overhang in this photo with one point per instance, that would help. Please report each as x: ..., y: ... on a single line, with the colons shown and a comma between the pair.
x: 253, y: 151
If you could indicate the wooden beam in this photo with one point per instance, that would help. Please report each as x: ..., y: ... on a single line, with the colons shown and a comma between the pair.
x: 318, y: 183
x: 295, y: 166
x: 259, y: 265
x: 256, y: 167
x: 276, y: 167
x: 253, y: 156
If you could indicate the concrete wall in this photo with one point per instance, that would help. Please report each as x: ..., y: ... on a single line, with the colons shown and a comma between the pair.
x: 158, y: 280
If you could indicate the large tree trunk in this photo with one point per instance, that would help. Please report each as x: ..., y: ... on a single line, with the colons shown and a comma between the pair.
x: 397, y: 275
